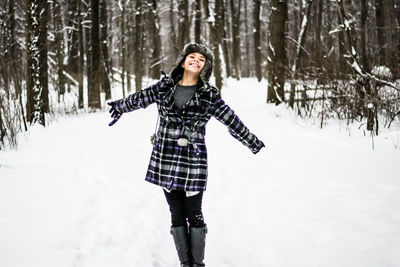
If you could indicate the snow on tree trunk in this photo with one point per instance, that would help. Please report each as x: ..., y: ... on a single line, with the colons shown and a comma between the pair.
x: 37, y: 88
x: 299, y: 49
x: 106, y: 66
x: 276, y: 52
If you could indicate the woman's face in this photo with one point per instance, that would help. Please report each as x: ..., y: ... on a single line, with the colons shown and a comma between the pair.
x: 194, y: 62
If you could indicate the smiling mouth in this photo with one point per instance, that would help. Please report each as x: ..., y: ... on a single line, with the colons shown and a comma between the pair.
x: 194, y: 65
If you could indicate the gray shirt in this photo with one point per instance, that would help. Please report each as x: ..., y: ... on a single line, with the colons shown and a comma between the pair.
x: 183, y: 94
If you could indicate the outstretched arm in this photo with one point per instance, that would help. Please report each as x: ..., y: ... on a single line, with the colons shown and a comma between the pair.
x: 141, y: 99
x: 236, y: 127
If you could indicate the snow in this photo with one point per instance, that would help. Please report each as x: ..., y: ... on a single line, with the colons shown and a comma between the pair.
x: 74, y: 194
x: 382, y: 72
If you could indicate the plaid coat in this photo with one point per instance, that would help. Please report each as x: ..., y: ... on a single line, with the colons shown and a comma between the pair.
x: 185, y: 167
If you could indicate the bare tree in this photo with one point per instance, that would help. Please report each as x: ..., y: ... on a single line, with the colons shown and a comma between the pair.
x: 81, y: 55
x: 214, y: 24
x: 123, y: 45
x: 172, y: 36
x: 59, y: 47
x: 197, y: 22
x: 106, y: 66
x: 154, y: 23
x: 37, y: 84
x: 276, y: 52
x: 257, y: 38
x: 246, y: 67
x: 300, y: 48
x: 226, y: 37
x: 383, y: 26
x: 94, y: 90
x: 73, y: 45
x: 183, y: 23
x: 235, y: 13
x: 138, y: 46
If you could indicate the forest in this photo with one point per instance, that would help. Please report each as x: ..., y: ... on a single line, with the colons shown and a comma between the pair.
x: 322, y: 58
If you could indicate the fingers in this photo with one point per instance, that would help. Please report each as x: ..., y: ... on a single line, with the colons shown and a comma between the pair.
x: 114, y: 113
x: 115, y: 119
x: 113, y: 122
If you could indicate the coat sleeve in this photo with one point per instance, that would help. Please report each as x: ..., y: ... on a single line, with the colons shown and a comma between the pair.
x: 140, y: 99
x: 236, y: 127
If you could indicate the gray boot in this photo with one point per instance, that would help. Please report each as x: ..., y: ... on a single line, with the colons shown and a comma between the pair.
x: 197, y: 244
x: 181, y: 240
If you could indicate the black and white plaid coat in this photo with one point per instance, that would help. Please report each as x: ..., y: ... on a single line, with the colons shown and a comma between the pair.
x: 185, y: 167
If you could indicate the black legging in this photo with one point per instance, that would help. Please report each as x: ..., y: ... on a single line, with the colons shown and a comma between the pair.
x: 185, y: 208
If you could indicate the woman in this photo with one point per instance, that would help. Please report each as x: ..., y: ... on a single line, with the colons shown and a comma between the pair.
x: 186, y: 101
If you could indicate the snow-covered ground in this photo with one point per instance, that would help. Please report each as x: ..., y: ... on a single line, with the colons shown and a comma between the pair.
x: 74, y: 194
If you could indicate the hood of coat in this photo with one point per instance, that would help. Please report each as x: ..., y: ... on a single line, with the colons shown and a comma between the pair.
x: 205, y: 74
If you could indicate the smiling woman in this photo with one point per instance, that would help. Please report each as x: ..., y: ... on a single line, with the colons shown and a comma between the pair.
x: 192, y: 66
x: 186, y: 101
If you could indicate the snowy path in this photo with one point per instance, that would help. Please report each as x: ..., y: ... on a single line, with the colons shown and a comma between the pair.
x: 74, y: 194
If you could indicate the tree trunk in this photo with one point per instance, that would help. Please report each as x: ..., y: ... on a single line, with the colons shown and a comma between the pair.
x: 154, y: 22
x: 73, y: 45
x: 36, y: 84
x: 276, y: 52
x: 372, y: 122
x: 383, y: 24
x: 173, y: 37
x: 235, y: 13
x: 197, y: 22
x: 257, y: 38
x: 88, y: 47
x: 218, y: 30
x: 342, y: 68
x: 183, y: 23
x: 105, y: 68
x: 81, y: 56
x: 246, y: 67
x: 215, y: 34
x: 226, y: 44
x: 123, y: 47
x: 138, y: 46
x: 4, y: 46
x: 94, y: 93
x: 59, y: 46
x: 397, y: 8
x: 364, y: 34
x: 318, y: 41
x: 299, y: 50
